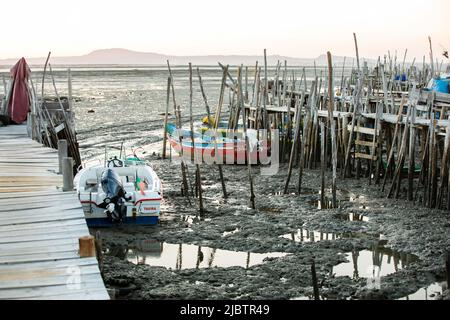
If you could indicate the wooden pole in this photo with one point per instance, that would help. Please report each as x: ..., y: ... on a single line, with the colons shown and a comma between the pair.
x: 444, y: 169
x: 43, y: 76
x: 191, y: 120
x: 62, y: 153
x: 177, y: 114
x: 166, y: 118
x: 185, y: 185
x: 221, y: 98
x: 342, y: 77
x: 215, y: 126
x: 433, y: 167
x: 305, y: 137
x: 98, y: 249
x: 254, y: 87
x: 401, y: 158
x: 247, y: 144
x: 67, y: 170
x: 208, y: 110
x: 411, y: 154
x: 447, y: 268
x: 265, y: 96
x: 392, y: 146
x: 431, y: 59
x: 87, y: 247
x: 314, y: 281
x: 298, y: 113
x: 69, y: 86
x: 357, y: 52
x: 332, y: 125
x: 323, y: 164
x: 72, y: 142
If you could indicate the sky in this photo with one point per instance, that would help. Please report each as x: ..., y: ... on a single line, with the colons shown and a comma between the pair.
x: 295, y: 28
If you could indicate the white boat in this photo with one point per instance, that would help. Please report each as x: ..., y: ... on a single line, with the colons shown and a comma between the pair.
x: 124, y: 191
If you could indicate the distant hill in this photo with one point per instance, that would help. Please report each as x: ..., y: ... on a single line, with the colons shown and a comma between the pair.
x: 118, y: 56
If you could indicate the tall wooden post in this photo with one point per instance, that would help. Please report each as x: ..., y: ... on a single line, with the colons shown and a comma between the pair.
x: 62, y: 153
x: 67, y: 174
x: 165, y: 118
x: 332, y: 126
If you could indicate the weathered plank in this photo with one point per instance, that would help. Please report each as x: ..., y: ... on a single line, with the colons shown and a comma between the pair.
x: 40, y: 226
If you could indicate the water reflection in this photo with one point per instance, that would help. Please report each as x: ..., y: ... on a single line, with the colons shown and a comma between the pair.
x: 354, y: 217
x: 187, y: 256
x: 305, y: 235
x: 378, y: 262
x: 429, y: 293
x: 228, y: 233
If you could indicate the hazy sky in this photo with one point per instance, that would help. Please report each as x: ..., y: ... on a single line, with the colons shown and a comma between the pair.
x: 197, y: 27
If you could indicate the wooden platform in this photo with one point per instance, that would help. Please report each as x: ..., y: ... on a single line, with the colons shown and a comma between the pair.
x: 40, y: 226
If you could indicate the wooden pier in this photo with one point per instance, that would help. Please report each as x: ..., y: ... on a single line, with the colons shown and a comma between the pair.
x: 40, y: 227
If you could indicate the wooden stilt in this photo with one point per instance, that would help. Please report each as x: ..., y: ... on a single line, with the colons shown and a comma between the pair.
x: 166, y: 115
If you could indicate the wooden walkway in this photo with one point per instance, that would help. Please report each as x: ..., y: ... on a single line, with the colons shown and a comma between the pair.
x: 40, y: 226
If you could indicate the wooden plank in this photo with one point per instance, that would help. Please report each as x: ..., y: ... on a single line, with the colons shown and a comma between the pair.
x: 73, y: 233
x: 39, y: 226
x: 365, y: 143
x: 12, y: 189
x: 39, y: 256
x: 50, y: 213
x: 59, y: 292
x: 47, y: 265
x: 366, y: 156
x: 364, y: 130
x: 39, y: 244
x: 33, y: 194
x: 43, y: 281
x: 47, y: 218
x: 44, y: 179
x: 49, y: 199
x: 36, y: 205
x: 42, y: 225
x: 17, y: 251
x: 39, y: 231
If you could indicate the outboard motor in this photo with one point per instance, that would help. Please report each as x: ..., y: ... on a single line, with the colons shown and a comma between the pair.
x: 114, y: 202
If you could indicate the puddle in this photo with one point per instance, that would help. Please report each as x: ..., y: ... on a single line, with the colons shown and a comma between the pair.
x: 303, y: 235
x: 378, y: 262
x: 187, y: 256
x: 354, y: 217
x: 228, y: 233
x: 310, y: 236
x: 191, y: 219
x: 327, y: 204
x: 429, y: 293
x: 306, y: 298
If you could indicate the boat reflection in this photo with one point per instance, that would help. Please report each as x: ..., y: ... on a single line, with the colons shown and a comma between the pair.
x: 187, y: 256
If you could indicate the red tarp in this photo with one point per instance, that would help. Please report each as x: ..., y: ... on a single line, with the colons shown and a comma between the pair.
x: 19, y: 104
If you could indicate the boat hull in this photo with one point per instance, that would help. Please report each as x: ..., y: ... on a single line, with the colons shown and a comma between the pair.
x: 141, y: 199
x: 105, y: 222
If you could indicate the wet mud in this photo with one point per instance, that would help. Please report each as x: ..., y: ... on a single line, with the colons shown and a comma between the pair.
x: 368, y: 248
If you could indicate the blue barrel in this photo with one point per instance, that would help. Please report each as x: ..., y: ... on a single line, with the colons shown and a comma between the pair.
x: 441, y: 85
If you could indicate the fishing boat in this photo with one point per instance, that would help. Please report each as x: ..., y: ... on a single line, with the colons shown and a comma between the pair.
x: 222, y: 126
x: 121, y: 191
x: 205, y: 144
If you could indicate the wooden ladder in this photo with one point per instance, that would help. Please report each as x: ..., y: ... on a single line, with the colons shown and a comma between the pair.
x: 366, y: 137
